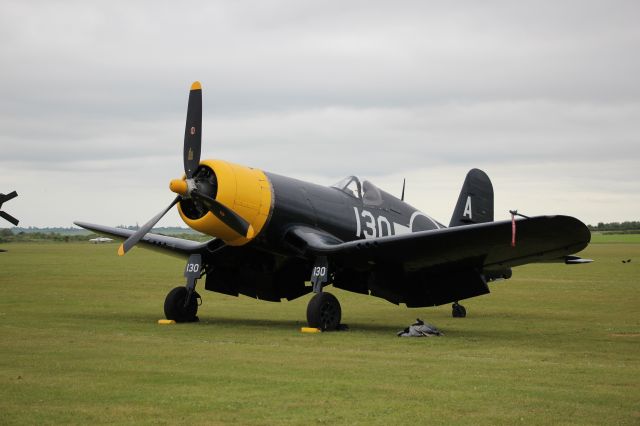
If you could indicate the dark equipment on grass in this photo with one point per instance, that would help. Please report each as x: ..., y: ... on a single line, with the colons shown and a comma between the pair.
x: 420, y: 329
x: 458, y: 311
x: 274, y: 234
x: 3, y: 199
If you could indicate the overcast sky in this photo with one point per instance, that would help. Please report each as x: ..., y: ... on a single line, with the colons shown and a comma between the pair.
x: 543, y: 96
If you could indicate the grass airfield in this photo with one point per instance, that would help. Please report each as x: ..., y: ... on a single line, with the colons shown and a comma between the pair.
x: 79, y: 344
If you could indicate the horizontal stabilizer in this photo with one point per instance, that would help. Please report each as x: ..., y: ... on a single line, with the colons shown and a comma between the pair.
x: 576, y: 260
x: 571, y: 259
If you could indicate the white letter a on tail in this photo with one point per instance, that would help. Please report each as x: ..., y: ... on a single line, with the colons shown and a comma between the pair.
x: 467, y: 208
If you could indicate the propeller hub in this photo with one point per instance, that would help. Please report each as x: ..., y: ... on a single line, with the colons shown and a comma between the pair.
x: 179, y: 186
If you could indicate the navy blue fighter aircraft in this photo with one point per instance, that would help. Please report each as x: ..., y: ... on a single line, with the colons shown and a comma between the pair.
x: 276, y: 238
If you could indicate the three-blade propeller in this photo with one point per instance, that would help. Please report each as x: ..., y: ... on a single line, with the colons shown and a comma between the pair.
x: 189, y: 188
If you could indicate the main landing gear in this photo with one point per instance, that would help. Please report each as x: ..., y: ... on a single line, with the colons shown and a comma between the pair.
x: 458, y: 311
x: 324, y: 312
x: 181, y: 304
x: 178, y: 308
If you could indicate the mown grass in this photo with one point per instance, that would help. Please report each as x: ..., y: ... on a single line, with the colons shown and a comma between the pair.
x: 598, y: 237
x: 79, y: 344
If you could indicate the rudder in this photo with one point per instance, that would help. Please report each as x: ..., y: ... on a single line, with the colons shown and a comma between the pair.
x: 475, y: 203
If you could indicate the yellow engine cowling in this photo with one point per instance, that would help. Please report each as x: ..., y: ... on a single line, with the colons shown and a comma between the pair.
x: 244, y: 190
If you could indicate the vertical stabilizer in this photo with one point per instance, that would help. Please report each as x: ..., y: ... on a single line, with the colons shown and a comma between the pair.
x: 475, y: 204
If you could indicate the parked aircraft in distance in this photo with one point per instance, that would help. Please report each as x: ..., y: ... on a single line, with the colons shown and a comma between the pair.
x: 100, y: 240
x: 274, y: 234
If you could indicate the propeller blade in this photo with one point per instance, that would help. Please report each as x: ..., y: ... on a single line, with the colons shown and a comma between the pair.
x: 140, y: 233
x: 10, y: 218
x: 225, y: 214
x: 193, y: 130
x: 10, y: 196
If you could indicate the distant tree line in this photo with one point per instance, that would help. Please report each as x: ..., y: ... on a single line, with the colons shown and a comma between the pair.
x: 164, y: 230
x: 8, y: 236
x: 617, y: 227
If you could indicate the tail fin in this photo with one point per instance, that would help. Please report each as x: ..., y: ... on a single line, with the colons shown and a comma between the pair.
x: 475, y: 204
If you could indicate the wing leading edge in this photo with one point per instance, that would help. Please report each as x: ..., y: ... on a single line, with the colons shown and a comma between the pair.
x: 169, y: 245
x: 482, y: 246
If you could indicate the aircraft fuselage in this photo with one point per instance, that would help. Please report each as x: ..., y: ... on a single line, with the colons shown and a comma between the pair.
x: 365, y: 212
x: 272, y: 204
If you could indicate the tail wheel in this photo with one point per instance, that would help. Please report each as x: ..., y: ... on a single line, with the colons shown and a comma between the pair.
x: 174, y: 308
x: 458, y: 311
x: 324, y: 312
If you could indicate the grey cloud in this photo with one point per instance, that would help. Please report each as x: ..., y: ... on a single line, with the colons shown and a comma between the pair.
x: 95, y: 92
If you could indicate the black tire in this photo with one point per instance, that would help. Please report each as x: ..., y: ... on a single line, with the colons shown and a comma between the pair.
x: 458, y: 311
x: 174, y: 308
x: 324, y: 312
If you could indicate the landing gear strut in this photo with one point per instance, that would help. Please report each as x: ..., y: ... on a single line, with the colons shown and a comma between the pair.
x: 181, y: 304
x: 324, y: 312
x: 458, y: 311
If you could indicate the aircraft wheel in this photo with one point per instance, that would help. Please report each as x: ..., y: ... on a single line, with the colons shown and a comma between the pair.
x: 174, y: 308
x: 324, y: 312
x: 458, y: 311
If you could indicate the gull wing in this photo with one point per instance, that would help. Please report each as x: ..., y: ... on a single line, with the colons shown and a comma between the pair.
x: 481, y: 246
x: 169, y: 245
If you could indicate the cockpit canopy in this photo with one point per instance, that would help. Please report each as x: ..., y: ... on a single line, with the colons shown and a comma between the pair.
x: 368, y: 192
